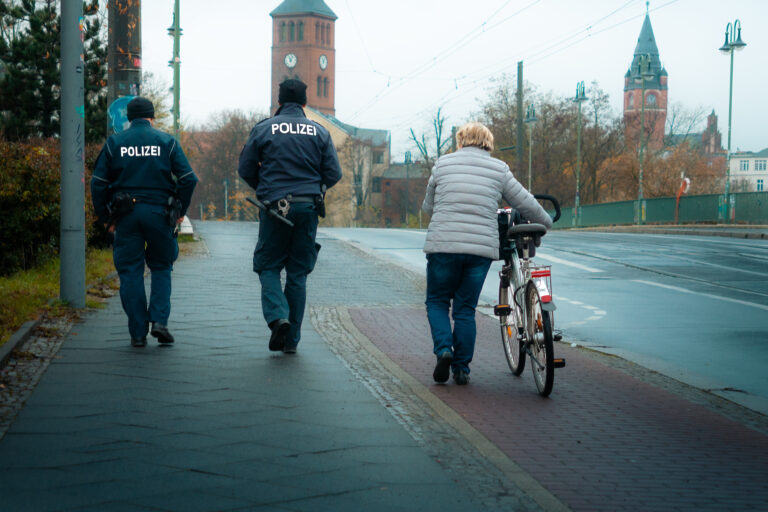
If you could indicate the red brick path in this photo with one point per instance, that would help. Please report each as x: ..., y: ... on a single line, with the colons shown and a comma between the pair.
x: 603, y: 441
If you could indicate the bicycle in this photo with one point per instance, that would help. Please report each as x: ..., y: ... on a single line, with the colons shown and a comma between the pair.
x: 526, y: 309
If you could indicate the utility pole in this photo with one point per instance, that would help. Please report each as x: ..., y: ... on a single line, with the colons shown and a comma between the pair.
x: 175, y: 32
x: 407, y: 185
x: 123, y: 49
x: 580, y: 97
x: 519, y: 144
x: 72, y: 262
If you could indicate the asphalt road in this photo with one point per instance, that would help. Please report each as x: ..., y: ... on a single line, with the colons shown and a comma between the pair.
x: 694, y: 308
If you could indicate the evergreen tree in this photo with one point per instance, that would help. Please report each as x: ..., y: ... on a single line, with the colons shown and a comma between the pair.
x: 30, y: 43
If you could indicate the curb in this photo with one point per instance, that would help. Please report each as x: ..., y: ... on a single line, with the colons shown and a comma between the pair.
x: 20, y: 336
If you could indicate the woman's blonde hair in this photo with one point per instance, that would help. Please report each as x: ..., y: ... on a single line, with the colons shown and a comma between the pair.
x: 475, y: 134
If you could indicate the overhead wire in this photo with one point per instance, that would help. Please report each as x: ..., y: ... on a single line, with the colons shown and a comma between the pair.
x: 467, y: 85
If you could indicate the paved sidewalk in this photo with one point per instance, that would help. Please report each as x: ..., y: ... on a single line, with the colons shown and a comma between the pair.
x: 354, y: 421
x: 217, y: 422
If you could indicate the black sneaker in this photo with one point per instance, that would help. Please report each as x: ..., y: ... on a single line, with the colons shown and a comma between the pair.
x: 461, y: 377
x: 139, y: 342
x: 289, y: 350
x: 162, y: 334
x: 443, y: 367
x: 280, y: 329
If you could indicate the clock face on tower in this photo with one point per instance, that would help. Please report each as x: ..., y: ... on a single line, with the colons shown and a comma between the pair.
x: 290, y: 60
x: 323, y: 62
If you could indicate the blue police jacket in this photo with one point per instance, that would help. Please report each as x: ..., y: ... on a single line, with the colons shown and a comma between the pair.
x: 144, y: 162
x: 289, y: 154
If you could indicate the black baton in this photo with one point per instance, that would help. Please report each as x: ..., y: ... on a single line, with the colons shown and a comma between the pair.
x: 269, y: 211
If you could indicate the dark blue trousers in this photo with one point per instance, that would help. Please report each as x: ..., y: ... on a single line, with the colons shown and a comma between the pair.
x: 291, y: 248
x: 454, y: 283
x: 145, y: 236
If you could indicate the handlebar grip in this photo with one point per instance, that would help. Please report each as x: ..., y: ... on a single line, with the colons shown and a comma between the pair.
x: 553, y: 200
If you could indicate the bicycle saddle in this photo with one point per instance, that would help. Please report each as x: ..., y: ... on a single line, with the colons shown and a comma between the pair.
x: 533, y: 230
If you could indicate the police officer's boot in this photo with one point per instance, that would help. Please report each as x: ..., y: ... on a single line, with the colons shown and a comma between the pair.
x: 162, y: 334
x: 139, y: 342
x: 280, y: 329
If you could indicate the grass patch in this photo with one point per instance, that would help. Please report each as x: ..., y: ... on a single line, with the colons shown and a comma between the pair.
x: 26, y: 295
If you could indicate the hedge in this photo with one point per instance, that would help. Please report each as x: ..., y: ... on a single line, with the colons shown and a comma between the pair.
x: 30, y: 196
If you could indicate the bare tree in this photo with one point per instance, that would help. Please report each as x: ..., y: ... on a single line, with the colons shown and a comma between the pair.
x: 440, y: 139
x: 682, y: 122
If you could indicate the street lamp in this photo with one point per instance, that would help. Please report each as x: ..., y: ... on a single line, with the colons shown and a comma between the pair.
x: 643, y: 74
x: 175, y: 32
x: 530, y: 118
x: 730, y: 46
x: 580, y: 97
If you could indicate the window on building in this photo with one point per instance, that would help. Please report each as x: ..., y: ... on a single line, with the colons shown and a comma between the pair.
x: 743, y: 165
x: 322, y: 34
x: 317, y: 32
x: 325, y: 87
x: 282, y: 32
x: 292, y: 31
x: 631, y: 101
x: 301, y: 31
x: 650, y: 99
x: 328, y: 35
x: 760, y: 165
x: 759, y: 185
x: 376, y: 185
x: 378, y: 157
x: 319, y: 86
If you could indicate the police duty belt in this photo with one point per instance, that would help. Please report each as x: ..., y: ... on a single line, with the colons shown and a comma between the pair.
x: 269, y: 211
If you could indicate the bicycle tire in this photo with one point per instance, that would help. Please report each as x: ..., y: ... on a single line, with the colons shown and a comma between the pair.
x: 513, y: 349
x: 539, y: 325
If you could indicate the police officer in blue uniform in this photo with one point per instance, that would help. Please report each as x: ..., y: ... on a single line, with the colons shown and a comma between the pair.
x: 141, y: 188
x: 289, y: 160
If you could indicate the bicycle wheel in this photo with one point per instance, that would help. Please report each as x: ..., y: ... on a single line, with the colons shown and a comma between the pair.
x: 513, y: 349
x: 539, y: 327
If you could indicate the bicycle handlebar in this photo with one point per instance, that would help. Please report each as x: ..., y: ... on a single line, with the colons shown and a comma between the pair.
x: 553, y: 200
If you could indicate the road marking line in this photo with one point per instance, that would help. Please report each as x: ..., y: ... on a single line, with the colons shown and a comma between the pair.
x: 566, y: 262
x: 712, y: 296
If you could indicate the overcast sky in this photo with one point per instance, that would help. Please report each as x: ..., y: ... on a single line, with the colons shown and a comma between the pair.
x: 397, y: 61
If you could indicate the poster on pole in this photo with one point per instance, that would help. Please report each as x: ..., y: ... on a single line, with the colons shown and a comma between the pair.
x: 117, y: 115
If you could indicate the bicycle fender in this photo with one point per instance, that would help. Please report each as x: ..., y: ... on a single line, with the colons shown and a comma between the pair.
x: 548, y: 306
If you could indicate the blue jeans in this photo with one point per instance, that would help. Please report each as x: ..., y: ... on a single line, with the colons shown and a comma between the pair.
x: 145, y: 236
x: 458, y: 278
x: 291, y: 248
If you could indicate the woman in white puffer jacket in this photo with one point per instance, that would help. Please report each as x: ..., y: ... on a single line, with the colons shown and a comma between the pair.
x: 462, y: 196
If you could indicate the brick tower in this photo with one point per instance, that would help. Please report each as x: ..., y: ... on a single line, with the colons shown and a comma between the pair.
x: 303, y: 47
x: 655, y: 92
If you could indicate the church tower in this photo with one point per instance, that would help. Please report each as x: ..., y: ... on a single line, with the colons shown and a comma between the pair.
x: 303, y: 38
x: 655, y: 91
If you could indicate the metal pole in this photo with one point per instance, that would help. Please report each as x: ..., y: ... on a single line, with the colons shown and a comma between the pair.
x: 727, y: 206
x: 176, y: 70
x: 72, y: 262
x: 578, y: 164
x: 520, y: 133
x: 226, y: 202
x: 642, y: 151
x: 530, y: 154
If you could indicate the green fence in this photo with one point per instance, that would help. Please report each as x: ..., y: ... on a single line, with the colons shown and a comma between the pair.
x: 746, y: 208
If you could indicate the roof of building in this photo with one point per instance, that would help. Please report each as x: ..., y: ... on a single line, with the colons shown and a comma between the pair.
x: 694, y: 139
x: 291, y: 7
x: 374, y: 137
x: 646, y: 45
x: 750, y: 154
x: 402, y: 171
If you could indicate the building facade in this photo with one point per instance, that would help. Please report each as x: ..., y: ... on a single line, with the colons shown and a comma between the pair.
x: 652, y: 79
x: 303, y: 35
x: 749, y: 171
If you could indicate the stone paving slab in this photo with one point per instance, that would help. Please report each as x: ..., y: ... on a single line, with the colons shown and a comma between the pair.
x: 604, y: 440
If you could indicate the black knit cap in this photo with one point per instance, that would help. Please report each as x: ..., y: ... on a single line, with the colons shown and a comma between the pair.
x: 140, y: 108
x: 292, y: 91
